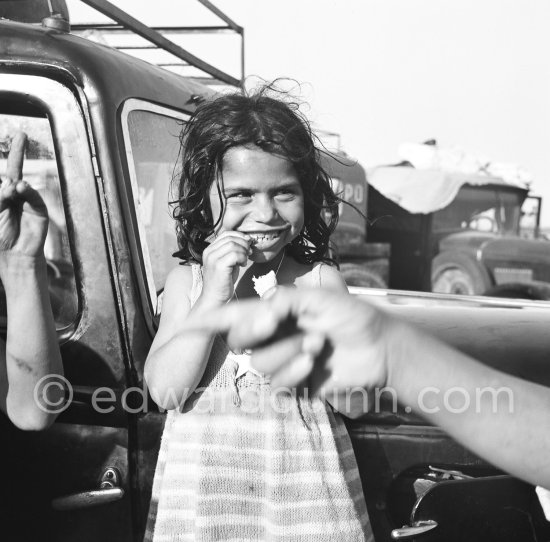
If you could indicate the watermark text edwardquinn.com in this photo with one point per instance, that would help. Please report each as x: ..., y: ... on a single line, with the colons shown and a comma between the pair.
x: 54, y: 394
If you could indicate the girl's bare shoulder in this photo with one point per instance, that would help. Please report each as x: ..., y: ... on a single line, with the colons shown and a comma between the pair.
x: 178, y: 285
x: 180, y: 277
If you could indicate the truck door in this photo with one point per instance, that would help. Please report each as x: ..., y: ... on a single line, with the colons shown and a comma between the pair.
x: 417, y: 480
x: 71, y: 481
x: 151, y: 142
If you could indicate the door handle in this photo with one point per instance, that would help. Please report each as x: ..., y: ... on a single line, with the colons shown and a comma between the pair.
x: 85, y: 499
x: 108, y: 491
x: 416, y: 529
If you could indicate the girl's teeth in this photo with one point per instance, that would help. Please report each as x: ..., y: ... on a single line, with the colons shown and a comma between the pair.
x: 259, y: 238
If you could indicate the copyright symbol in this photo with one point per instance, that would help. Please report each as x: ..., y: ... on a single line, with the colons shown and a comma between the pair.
x: 53, y: 394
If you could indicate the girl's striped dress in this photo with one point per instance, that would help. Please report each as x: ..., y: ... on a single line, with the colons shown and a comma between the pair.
x: 242, y: 462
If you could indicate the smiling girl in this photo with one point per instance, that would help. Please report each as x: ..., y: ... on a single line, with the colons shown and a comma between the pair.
x: 239, y: 460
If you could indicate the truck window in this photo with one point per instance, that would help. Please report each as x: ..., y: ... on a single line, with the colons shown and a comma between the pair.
x: 480, y: 208
x: 151, y: 138
x: 40, y: 171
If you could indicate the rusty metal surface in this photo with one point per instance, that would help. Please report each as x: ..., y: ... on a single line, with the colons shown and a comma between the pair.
x: 32, y: 11
x: 31, y: 48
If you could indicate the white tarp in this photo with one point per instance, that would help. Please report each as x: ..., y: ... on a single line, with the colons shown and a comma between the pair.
x: 437, y: 175
x: 457, y: 160
x: 423, y: 190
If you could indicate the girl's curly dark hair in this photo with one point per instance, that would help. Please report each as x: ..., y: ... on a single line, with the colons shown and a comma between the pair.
x: 275, y: 126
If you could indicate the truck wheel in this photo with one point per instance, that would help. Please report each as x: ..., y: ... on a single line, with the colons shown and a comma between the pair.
x: 458, y: 274
x: 357, y: 275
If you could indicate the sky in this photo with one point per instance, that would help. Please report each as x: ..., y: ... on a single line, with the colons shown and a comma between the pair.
x: 469, y: 73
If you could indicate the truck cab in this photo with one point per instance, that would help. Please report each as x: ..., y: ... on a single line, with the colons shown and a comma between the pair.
x: 103, y: 131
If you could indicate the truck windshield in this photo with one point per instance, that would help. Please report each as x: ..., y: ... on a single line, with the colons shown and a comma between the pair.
x: 481, y: 208
x: 151, y: 137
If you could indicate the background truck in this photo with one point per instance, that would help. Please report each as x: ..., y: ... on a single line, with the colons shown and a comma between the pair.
x: 451, y: 232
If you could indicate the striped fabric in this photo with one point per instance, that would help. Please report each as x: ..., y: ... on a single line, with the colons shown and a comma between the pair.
x: 246, y: 463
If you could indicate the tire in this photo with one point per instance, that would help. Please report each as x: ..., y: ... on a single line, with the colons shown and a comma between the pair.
x: 358, y: 275
x: 458, y: 273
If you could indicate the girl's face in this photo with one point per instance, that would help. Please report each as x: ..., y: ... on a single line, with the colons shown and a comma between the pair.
x: 262, y: 198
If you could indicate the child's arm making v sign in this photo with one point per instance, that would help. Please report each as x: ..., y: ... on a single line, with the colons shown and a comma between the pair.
x: 31, y: 352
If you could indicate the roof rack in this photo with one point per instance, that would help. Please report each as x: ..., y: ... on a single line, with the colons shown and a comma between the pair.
x: 156, y: 38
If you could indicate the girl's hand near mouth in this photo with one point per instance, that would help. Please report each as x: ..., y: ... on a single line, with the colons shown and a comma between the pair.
x: 221, y: 261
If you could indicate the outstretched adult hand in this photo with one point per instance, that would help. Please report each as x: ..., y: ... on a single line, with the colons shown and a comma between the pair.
x: 342, y: 343
x: 334, y: 339
x: 23, y: 213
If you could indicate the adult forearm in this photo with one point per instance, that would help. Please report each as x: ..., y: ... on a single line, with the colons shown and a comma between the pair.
x: 32, y: 350
x: 501, y: 418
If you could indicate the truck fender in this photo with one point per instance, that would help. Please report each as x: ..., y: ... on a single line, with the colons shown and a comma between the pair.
x: 458, y: 273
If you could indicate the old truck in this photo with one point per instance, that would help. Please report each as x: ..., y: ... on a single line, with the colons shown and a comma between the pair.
x: 448, y: 232
x: 104, y: 133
